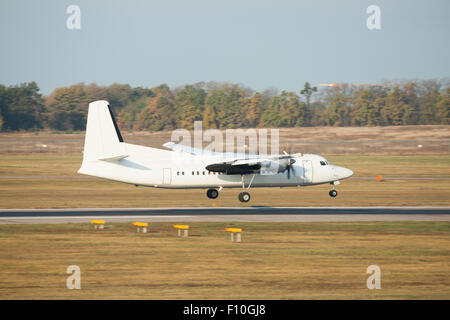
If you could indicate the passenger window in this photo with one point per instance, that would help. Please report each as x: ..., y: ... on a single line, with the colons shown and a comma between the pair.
x: 203, y: 172
x: 178, y: 173
x: 192, y: 172
x: 198, y: 173
x: 182, y: 173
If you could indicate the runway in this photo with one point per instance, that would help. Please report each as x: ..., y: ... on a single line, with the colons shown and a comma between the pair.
x: 226, y: 214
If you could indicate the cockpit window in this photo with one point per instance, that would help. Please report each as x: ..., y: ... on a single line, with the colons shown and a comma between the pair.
x: 323, y: 163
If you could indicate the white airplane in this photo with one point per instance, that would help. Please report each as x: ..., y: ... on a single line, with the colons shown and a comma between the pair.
x: 107, y: 156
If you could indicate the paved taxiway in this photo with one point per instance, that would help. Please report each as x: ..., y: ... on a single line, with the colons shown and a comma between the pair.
x: 227, y: 214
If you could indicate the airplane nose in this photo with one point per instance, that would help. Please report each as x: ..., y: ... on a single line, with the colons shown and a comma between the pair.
x: 341, y: 173
x: 346, y: 173
x: 350, y: 173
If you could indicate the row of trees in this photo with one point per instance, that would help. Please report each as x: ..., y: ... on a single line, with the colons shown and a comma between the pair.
x: 224, y: 105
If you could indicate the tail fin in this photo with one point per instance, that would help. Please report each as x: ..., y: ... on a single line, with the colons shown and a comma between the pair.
x: 103, y: 140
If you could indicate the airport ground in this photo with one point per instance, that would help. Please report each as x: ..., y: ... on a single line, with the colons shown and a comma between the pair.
x: 275, y: 260
x: 289, y: 260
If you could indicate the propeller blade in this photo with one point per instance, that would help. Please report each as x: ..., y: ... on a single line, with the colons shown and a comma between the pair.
x: 290, y: 167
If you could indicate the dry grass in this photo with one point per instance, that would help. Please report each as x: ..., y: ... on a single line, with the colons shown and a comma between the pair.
x: 420, y: 132
x: 435, y: 139
x: 274, y: 261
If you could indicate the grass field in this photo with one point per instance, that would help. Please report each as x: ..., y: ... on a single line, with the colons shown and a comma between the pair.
x: 394, y: 140
x: 274, y: 261
x: 51, y: 181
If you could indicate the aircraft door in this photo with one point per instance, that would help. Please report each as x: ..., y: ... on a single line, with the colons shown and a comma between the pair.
x: 307, y: 176
x: 167, y: 176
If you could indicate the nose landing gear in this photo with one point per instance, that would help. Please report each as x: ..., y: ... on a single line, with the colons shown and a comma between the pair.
x: 333, y: 193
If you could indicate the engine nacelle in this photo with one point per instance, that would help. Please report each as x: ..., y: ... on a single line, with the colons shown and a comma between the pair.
x: 275, y: 166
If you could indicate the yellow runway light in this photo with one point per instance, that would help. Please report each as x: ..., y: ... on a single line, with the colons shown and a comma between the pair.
x: 182, y: 227
x: 140, y: 225
x: 236, y: 231
x: 98, y: 223
x: 233, y: 229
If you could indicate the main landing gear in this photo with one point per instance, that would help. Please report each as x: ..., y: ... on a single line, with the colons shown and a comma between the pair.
x: 212, y: 193
x: 244, y: 196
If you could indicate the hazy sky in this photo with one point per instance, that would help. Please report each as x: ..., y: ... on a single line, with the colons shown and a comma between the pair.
x: 259, y: 43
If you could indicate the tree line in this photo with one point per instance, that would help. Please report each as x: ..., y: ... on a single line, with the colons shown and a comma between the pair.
x: 227, y: 105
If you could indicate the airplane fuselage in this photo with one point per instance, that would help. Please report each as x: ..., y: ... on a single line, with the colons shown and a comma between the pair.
x: 172, y: 169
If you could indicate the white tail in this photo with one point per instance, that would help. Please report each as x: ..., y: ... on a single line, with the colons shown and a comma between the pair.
x: 103, y: 140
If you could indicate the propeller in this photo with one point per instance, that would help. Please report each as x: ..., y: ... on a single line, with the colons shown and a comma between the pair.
x: 289, y: 165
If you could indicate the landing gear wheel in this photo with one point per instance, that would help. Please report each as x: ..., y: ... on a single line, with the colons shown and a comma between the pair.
x: 212, y: 193
x: 333, y: 193
x: 244, y: 197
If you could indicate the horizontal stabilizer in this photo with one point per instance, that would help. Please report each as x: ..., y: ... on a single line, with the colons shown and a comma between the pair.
x: 114, y: 158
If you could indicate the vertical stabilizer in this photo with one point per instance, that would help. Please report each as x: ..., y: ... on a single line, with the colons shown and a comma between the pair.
x: 103, y: 140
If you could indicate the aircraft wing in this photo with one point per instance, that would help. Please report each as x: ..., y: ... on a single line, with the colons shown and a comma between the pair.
x: 232, y: 166
x: 235, y: 167
x: 239, y: 163
x: 204, y: 152
x: 182, y: 148
x: 275, y: 164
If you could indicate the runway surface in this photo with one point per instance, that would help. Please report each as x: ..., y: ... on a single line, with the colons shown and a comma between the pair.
x: 226, y: 214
